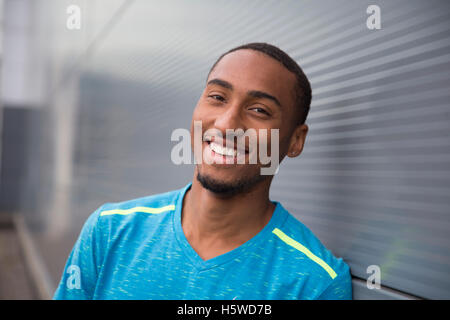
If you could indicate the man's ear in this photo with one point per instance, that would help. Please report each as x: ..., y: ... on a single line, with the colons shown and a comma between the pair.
x: 297, y: 140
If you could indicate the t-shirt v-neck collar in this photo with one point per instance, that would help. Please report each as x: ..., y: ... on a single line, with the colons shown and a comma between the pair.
x: 277, y: 218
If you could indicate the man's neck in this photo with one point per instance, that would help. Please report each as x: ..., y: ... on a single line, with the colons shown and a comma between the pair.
x: 214, y: 224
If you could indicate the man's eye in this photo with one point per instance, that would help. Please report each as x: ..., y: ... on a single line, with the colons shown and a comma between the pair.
x: 217, y: 97
x: 260, y: 110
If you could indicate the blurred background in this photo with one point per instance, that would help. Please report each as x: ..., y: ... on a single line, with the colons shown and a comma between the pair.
x: 87, y: 114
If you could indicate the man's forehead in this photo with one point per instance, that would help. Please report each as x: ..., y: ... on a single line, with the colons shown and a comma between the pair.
x: 254, y: 70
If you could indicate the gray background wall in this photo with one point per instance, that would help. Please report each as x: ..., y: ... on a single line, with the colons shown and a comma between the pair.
x: 88, y: 114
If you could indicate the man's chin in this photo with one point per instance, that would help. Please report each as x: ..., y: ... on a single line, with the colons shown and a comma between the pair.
x: 229, y: 188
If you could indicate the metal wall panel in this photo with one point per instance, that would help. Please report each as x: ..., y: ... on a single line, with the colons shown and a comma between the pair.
x: 374, y: 178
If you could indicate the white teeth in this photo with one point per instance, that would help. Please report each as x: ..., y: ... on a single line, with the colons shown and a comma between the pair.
x: 223, y: 150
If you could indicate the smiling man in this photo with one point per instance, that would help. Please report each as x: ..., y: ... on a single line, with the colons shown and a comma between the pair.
x: 219, y: 237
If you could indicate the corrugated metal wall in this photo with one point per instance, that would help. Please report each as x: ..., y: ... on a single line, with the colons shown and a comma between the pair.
x: 373, y: 181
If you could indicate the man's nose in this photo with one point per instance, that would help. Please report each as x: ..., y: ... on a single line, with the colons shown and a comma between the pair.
x: 230, y: 118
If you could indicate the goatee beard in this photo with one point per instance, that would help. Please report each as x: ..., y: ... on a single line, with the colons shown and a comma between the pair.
x: 229, y: 188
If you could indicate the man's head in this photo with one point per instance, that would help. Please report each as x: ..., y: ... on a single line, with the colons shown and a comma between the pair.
x: 302, y: 87
x: 255, y: 86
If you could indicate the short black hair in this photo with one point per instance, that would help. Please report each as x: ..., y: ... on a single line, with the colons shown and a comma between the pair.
x: 302, y: 88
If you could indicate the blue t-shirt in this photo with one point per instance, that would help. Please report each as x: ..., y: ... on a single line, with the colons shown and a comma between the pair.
x: 137, y: 250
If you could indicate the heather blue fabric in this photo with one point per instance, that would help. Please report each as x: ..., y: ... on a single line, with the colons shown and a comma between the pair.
x: 142, y: 255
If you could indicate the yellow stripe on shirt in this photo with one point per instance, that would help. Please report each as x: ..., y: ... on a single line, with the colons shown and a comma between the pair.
x: 305, y: 250
x: 138, y: 209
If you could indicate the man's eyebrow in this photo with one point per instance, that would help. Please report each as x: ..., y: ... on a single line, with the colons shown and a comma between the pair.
x: 252, y: 93
x: 220, y: 82
x: 261, y: 94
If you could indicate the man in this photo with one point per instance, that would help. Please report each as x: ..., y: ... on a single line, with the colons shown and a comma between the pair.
x: 219, y: 237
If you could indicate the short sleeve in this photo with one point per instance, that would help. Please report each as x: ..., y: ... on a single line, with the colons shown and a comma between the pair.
x: 79, y: 277
x: 339, y: 289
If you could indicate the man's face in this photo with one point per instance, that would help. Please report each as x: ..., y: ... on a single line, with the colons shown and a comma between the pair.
x: 245, y: 90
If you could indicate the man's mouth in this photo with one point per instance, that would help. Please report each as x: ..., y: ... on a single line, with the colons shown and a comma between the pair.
x: 224, y: 151
x: 217, y: 151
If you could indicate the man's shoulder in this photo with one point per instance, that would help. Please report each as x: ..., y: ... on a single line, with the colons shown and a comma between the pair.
x: 156, y: 203
x: 300, y: 243
x: 150, y: 208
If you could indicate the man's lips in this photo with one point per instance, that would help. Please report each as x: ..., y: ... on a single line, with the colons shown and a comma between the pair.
x: 212, y: 154
x: 222, y: 145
